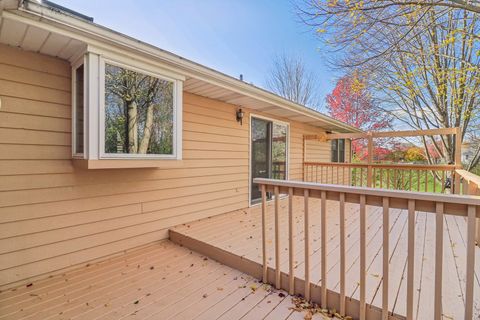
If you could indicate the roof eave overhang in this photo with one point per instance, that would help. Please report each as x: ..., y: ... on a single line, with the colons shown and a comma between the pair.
x: 101, y: 37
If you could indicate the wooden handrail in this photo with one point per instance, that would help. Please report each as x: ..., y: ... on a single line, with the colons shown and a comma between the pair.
x: 470, y: 185
x: 373, y: 194
x: 438, y: 204
x: 472, y: 179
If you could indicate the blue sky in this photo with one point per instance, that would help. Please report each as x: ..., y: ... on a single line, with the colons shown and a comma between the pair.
x: 232, y: 36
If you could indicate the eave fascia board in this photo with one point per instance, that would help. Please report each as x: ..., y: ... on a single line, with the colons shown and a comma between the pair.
x: 107, y: 39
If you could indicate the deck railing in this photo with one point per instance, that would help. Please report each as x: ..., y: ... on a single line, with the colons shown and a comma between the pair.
x: 470, y: 186
x: 459, y: 205
x: 411, y: 177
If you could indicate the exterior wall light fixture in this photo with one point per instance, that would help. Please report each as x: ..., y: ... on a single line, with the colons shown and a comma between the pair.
x: 240, y: 115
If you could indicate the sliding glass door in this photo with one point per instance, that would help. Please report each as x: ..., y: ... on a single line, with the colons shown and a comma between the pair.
x: 268, y: 152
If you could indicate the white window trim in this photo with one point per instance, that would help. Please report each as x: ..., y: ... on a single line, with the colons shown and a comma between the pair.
x: 75, y: 66
x: 176, y: 105
x: 94, y: 109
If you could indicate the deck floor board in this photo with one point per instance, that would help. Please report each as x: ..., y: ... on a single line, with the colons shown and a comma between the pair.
x: 159, y: 281
x: 239, y: 232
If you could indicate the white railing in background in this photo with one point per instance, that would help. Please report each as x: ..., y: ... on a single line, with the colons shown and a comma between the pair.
x: 439, y: 204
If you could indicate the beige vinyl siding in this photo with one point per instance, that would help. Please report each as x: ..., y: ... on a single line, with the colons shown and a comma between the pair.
x: 54, y: 215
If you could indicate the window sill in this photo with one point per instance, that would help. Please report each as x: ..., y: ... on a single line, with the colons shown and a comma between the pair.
x: 126, y: 163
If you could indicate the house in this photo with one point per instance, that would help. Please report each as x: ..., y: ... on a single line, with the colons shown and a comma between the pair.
x: 107, y: 143
x: 73, y: 191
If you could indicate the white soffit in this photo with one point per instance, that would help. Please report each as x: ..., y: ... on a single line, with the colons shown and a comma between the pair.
x: 31, y: 38
x: 208, y: 90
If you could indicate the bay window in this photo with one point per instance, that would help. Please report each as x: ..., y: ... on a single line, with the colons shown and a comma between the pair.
x: 125, y: 110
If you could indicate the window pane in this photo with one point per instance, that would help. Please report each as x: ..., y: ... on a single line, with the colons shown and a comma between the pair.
x: 279, y: 151
x: 138, y: 112
x: 341, y: 150
x: 79, y: 110
x: 334, y: 150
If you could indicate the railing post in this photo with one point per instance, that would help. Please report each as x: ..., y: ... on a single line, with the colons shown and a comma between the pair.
x: 264, y: 233
x: 370, y: 160
x: 291, y: 277
x: 438, y: 260
x: 277, y: 238
x: 458, y: 158
x: 363, y: 256
x: 470, y: 275
x: 342, y: 254
x: 386, y: 256
x: 323, y: 212
x: 307, y: 245
x: 410, y: 258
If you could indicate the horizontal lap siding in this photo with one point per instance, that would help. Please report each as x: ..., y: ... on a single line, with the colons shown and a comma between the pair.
x: 319, y: 151
x: 54, y: 215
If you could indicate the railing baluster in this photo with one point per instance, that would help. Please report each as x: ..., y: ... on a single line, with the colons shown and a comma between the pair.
x: 338, y: 175
x: 426, y: 180
x: 342, y: 254
x: 381, y: 178
x: 277, y: 238
x: 354, y: 177
x: 410, y: 258
x: 361, y: 177
x: 471, y: 222
x: 316, y: 174
x: 307, y: 245
x: 386, y: 256
x: 291, y: 276
x: 388, y: 178
x: 323, y: 212
x: 443, y: 181
x: 363, y: 256
x: 395, y: 174
x: 264, y: 233
x: 434, y: 182
x: 410, y: 180
x: 418, y: 180
x: 438, y: 260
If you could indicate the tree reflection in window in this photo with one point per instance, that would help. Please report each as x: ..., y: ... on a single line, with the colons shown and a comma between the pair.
x: 138, y: 112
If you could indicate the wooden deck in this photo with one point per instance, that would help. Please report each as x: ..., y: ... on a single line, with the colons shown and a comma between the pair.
x: 161, y: 281
x: 239, y: 233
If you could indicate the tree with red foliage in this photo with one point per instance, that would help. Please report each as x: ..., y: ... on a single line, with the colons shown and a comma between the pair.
x: 351, y: 102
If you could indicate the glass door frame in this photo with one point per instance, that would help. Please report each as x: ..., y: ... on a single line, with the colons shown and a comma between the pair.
x: 250, y: 169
